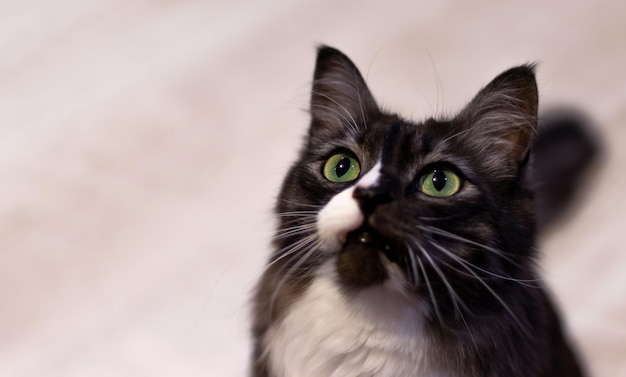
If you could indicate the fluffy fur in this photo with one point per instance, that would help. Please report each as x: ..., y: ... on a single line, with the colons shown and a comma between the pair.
x: 374, y: 278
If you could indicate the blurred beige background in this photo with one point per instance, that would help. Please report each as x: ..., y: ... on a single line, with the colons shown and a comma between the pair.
x: 142, y: 144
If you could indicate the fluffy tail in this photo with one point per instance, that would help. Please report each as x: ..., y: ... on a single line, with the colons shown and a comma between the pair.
x: 565, y: 157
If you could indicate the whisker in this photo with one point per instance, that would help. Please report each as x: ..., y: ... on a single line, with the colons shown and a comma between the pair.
x: 414, y: 271
x: 297, y: 214
x: 315, y: 206
x: 428, y: 285
x: 440, y: 218
x: 290, y: 272
x: 294, y: 230
x: 468, y: 264
x: 504, y: 305
x: 438, y: 84
x: 453, y: 294
x: 291, y: 249
x: 469, y: 331
x: 289, y: 221
x: 441, y: 232
x: 453, y: 299
x: 307, y: 224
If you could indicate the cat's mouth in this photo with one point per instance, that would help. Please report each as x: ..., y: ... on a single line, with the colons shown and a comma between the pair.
x: 367, y: 236
x: 361, y: 260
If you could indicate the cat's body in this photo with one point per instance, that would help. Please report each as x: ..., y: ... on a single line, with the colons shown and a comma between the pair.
x: 408, y: 249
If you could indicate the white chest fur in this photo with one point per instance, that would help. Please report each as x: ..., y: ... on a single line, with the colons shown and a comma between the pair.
x: 377, y: 333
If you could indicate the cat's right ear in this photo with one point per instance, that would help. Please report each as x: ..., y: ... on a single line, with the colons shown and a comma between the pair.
x: 340, y: 99
x: 503, y: 120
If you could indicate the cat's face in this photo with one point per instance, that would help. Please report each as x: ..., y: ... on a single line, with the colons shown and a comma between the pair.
x: 442, y: 202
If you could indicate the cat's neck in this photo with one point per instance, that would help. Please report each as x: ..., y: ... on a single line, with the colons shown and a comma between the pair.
x: 379, y: 331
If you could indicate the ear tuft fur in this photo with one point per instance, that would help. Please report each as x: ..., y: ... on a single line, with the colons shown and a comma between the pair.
x: 503, y: 115
x: 340, y: 99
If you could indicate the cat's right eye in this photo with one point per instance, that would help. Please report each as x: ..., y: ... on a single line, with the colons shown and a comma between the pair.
x: 341, y: 167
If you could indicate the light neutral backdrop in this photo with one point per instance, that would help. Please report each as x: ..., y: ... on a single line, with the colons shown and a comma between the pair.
x: 142, y: 144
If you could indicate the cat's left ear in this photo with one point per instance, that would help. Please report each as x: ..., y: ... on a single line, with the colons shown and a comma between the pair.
x: 503, y: 115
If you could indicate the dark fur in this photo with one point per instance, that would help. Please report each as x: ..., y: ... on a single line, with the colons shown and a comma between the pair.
x: 488, y: 145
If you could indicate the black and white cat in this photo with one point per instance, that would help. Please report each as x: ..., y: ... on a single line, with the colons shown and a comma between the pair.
x: 408, y: 249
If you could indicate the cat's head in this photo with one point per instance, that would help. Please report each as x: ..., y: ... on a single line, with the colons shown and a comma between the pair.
x: 443, y: 202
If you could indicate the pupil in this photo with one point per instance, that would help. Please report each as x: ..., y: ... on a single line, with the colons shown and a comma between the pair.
x: 342, y: 166
x: 439, y: 179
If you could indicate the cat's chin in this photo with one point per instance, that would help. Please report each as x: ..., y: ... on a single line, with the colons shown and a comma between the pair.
x: 366, y: 259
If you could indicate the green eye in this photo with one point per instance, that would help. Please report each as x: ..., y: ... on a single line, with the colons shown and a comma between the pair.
x: 440, y: 182
x: 341, y: 167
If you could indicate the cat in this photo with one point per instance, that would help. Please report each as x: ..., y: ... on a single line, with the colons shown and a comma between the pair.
x: 409, y: 249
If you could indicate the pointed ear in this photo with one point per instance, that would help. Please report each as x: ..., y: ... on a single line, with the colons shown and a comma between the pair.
x: 504, y: 114
x: 340, y: 99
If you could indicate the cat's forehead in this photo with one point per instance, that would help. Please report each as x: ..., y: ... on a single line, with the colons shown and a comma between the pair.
x: 397, y: 139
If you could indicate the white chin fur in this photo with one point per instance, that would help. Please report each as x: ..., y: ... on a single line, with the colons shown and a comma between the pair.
x: 377, y: 331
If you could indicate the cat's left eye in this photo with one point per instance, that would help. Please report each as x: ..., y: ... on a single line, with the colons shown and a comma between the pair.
x: 440, y: 182
x: 341, y: 167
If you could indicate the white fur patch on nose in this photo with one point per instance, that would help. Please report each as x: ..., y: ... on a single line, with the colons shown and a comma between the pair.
x: 338, y: 218
x: 342, y: 213
x: 371, y: 177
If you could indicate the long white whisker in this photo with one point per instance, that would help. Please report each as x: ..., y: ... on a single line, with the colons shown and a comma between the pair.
x: 291, y: 222
x: 506, y: 307
x: 291, y: 249
x: 316, y: 206
x: 293, y: 268
x: 430, y: 289
x: 303, y: 217
x: 468, y: 264
x: 413, y: 264
x: 438, y: 85
x: 297, y: 213
x: 441, y: 232
x: 294, y: 230
x: 453, y: 295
